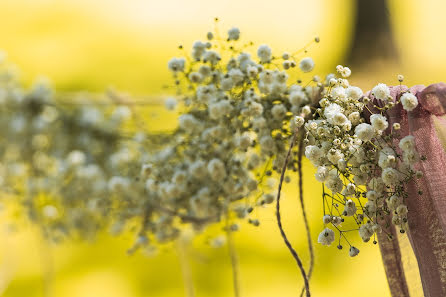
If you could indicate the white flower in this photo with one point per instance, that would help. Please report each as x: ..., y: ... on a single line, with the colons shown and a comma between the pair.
x: 353, y: 251
x: 220, y: 109
x: 350, y: 208
x: 176, y: 64
x: 170, y: 103
x: 354, y: 92
x: 236, y: 75
x: 334, y: 156
x: 394, y: 201
x: 211, y: 57
x: 118, y: 183
x: 346, y: 72
x: 340, y: 119
x: 381, y: 91
x: 331, y: 110
x: 407, y: 144
x: 76, y: 158
x: 195, y: 77
x: 376, y: 184
x: 188, y: 122
x: 299, y: 121
x: 409, y: 101
x: 306, y: 64
x: 410, y: 157
x: 387, y: 157
x: 390, y: 176
x: 321, y: 173
x: 217, y: 169
x: 336, y: 221
x: 278, y: 111
x: 372, y: 195
x: 339, y: 93
x: 333, y: 182
x: 366, y: 231
x: 354, y: 117
x: 379, y: 122
x: 264, y: 53
x: 326, y: 219
x: 313, y: 153
x: 198, y: 169
x: 233, y: 34
x: 364, y: 131
x: 297, y: 97
x: 198, y: 49
x: 326, y: 237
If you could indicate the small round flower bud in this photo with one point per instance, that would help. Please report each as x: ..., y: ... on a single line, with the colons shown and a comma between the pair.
x: 299, y: 121
x: 326, y: 219
x: 306, y: 110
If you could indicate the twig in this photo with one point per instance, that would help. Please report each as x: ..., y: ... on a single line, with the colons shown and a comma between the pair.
x: 279, y: 220
x: 304, y: 213
x: 185, y: 269
x: 234, y: 261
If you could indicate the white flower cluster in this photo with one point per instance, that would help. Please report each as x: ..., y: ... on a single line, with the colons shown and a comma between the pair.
x: 66, y: 161
x: 359, y: 159
x: 234, y: 129
x: 77, y: 169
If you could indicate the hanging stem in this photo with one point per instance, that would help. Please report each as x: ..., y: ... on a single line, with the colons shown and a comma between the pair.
x: 47, y: 265
x: 234, y: 261
x: 279, y: 220
x: 304, y: 213
x: 189, y: 289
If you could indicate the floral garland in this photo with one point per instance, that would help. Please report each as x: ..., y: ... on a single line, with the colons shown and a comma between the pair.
x: 76, y: 171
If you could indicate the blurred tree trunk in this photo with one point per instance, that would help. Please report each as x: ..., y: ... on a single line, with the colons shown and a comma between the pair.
x: 372, y: 37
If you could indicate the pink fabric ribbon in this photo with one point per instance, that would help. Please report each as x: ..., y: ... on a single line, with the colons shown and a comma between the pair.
x: 427, y: 212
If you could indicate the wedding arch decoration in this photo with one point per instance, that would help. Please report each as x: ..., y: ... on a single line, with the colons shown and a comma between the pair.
x: 78, y: 164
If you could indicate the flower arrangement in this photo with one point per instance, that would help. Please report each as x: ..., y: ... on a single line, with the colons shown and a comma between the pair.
x: 77, y: 168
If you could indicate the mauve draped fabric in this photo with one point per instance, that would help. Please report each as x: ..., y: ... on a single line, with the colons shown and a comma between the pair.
x: 427, y: 212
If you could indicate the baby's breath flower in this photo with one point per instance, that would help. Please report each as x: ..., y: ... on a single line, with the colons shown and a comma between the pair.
x: 409, y: 101
x: 234, y: 34
x: 379, y: 122
x: 306, y: 64
x: 381, y: 91
x: 353, y: 251
x: 176, y: 64
x: 326, y: 237
x: 264, y: 53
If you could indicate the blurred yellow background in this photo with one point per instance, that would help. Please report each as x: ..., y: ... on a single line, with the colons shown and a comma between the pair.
x: 91, y: 45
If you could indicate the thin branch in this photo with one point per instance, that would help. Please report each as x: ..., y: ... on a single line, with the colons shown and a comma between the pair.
x: 234, y: 261
x: 304, y: 213
x: 279, y: 220
x: 185, y: 269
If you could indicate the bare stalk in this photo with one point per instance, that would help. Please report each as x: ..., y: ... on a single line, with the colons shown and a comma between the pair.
x: 279, y: 220
x: 304, y: 213
x: 234, y: 262
x: 189, y: 289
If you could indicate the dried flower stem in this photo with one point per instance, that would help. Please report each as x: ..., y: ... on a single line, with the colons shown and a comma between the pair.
x: 304, y: 213
x: 185, y: 269
x: 234, y: 261
x: 279, y: 220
